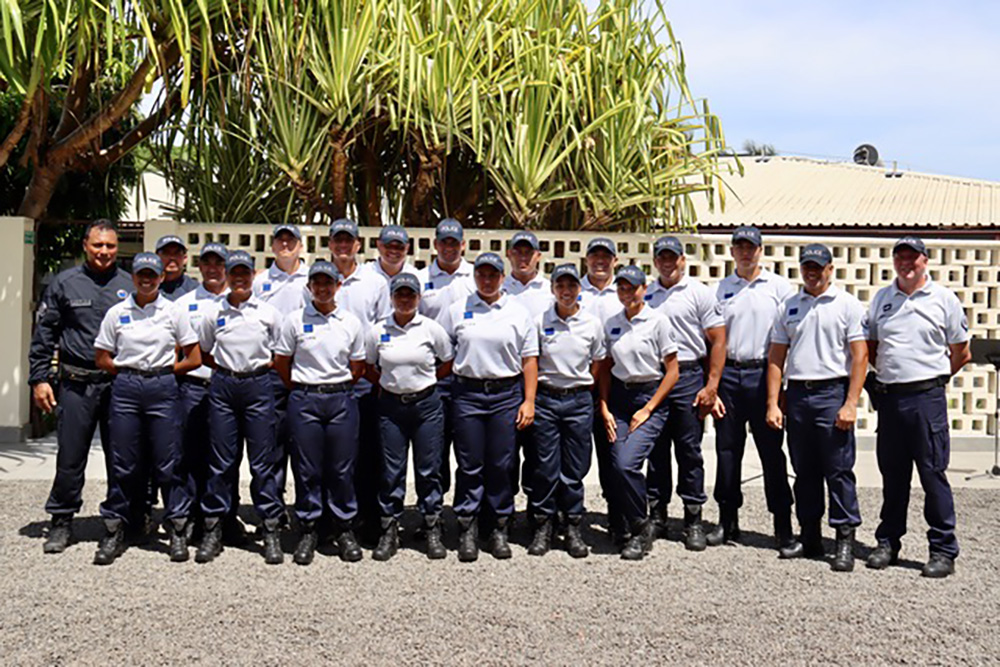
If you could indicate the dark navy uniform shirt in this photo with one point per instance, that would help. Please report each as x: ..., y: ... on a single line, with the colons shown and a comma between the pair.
x: 70, y: 316
x: 175, y: 289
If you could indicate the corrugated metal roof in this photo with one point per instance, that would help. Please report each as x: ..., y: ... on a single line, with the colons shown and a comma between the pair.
x: 785, y: 191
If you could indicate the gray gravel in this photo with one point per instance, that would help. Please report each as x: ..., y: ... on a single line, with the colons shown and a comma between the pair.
x: 729, y: 605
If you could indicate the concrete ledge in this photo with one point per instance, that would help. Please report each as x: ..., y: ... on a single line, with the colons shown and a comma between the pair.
x: 13, y: 434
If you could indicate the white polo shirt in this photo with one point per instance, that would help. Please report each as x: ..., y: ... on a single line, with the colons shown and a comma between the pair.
x: 196, y: 305
x: 285, y: 291
x: 914, y: 332
x: 407, y: 356
x: 241, y: 338
x: 750, y: 310
x: 567, y: 348
x: 364, y: 295
x: 375, y: 266
x: 535, y: 296
x: 818, y: 332
x: 439, y: 289
x: 639, y: 346
x: 321, y: 346
x: 691, y: 307
x: 490, y: 339
x: 144, y: 338
x: 601, y: 302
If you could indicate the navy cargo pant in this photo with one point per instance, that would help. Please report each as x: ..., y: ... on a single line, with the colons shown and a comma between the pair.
x: 821, y: 451
x: 606, y: 472
x: 368, y: 468
x: 282, y: 429
x: 82, y: 408
x: 242, y: 409
x: 913, y: 430
x: 402, y: 419
x: 196, y: 442
x: 145, y: 413
x: 444, y: 387
x: 683, y: 431
x: 563, y: 424
x: 631, y: 450
x: 744, y: 393
x: 485, y: 431
x: 325, y: 437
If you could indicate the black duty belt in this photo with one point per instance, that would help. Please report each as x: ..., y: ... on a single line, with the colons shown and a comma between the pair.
x: 809, y: 385
x: 749, y: 363
x: 690, y: 364
x: 150, y: 373
x: 549, y: 390
x: 488, y: 386
x: 190, y: 379
x: 913, y: 387
x: 87, y: 375
x: 412, y: 397
x: 242, y: 375
x: 645, y: 385
x: 332, y: 388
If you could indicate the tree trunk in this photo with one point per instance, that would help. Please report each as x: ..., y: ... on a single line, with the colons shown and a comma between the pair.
x: 429, y: 165
x: 372, y: 173
x: 44, y: 180
x: 338, y: 173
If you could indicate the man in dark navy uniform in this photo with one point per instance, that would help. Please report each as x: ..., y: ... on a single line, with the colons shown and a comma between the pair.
x: 69, y: 318
x: 173, y: 254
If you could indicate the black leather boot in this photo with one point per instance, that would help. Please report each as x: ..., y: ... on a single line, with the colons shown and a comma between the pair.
x: 498, y: 545
x: 347, y: 544
x: 435, y: 544
x: 60, y: 534
x: 233, y: 532
x: 575, y: 545
x: 728, y: 529
x: 640, y: 542
x: 112, y: 545
x: 388, y: 541
x: 468, y: 539
x: 211, y: 541
x: 694, y: 530
x: 542, y: 540
x: 938, y: 566
x: 180, y: 531
x: 843, y: 557
x: 882, y: 557
x: 812, y: 540
x: 272, y: 542
x: 658, y: 520
x: 784, y: 538
x: 305, y: 550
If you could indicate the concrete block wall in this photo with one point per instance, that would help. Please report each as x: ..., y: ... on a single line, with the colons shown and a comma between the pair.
x: 863, y: 265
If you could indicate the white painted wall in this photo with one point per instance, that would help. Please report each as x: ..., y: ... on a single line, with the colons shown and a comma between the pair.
x: 17, y: 257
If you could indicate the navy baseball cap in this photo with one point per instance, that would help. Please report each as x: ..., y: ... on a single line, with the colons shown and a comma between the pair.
x: 324, y: 268
x: 671, y: 243
x: 147, y: 261
x: 401, y: 280
x: 525, y: 236
x: 449, y: 228
x: 291, y: 229
x: 747, y: 233
x: 164, y: 241
x: 911, y: 242
x: 394, y: 234
x: 816, y: 253
x: 490, y: 259
x: 632, y: 274
x: 344, y: 225
x: 239, y: 258
x: 214, y: 249
x: 602, y: 243
x: 566, y: 270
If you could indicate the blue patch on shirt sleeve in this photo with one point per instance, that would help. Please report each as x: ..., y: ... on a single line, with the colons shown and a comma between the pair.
x: 579, y: 297
x: 793, y: 311
x: 648, y: 297
x: 727, y: 295
x: 385, y: 338
x: 192, y: 307
x: 221, y: 322
x: 307, y: 328
x: 428, y: 285
x: 124, y: 319
x: 267, y: 287
x: 616, y: 331
x: 467, y: 315
x: 550, y: 331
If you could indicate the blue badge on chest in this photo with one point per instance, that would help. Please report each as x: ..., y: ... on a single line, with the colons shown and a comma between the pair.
x: 579, y: 297
x: 385, y: 338
x: 616, y: 331
x: 550, y: 331
x: 221, y: 322
x: 192, y: 307
x: 793, y: 311
x: 121, y: 294
x: 428, y: 285
x: 124, y: 319
x: 307, y: 328
x: 267, y: 287
x: 727, y: 295
x: 467, y: 315
x: 648, y: 297
x: 887, y: 307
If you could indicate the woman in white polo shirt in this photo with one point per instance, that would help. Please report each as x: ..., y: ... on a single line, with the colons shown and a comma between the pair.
x: 137, y: 344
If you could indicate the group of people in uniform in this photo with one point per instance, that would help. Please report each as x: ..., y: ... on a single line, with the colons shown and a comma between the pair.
x: 338, y: 370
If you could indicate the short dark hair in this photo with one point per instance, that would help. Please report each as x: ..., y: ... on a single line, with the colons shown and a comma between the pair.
x: 101, y: 225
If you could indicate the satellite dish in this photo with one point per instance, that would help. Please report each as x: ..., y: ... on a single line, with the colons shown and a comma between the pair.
x: 866, y: 154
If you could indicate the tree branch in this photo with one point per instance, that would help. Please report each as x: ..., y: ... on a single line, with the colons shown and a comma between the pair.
x: 108, y: 156
x: 75, y: 103
x: 38, y: 128
x: 20, y: 127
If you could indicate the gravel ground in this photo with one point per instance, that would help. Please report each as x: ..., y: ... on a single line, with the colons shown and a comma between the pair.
x: 728, y: 605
